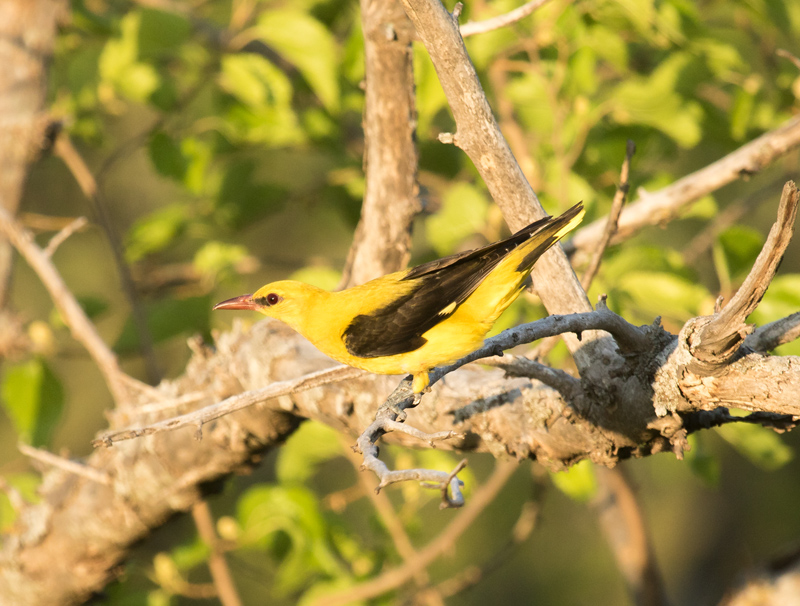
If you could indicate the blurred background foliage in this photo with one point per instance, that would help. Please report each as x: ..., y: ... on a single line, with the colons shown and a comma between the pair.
x: 225, y: 140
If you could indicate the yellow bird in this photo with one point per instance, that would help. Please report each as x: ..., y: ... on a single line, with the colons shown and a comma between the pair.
x: 413, y: 320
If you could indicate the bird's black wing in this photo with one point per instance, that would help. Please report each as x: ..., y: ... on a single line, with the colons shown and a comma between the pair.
x: 441, y: 286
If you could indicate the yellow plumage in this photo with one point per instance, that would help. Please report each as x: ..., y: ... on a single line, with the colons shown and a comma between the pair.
x: 416, y: 319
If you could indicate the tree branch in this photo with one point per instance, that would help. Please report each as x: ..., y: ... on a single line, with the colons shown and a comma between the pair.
x: 472, y: 28
x: 768, y: 337
x: 654, y: 208
x: 80, y: 326
x: 383, y: 237
x: 714, y: 342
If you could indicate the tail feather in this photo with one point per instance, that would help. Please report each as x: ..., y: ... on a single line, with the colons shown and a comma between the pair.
x: 551, y: 232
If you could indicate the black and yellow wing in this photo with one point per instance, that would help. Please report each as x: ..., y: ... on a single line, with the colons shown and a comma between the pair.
x: 442, y: 285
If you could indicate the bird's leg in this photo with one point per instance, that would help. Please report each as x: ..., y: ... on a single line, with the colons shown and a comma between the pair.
x: 398, y: 401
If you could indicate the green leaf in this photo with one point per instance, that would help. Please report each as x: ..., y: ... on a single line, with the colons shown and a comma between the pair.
x: 462, y: 214
x: 578, y: 482
x: 217, y: 260
x: 160, y: 33
x: 166, y: 319
x: 760, y: 445
x: 119, y: 64
x: 654, y: 102
x: 308, y: 45
x: 308, y: 447
x: 266, y: 115
x: 26, y: 484
x: 703, y: 464
x: 242, y: 201
x: 656, y: 293
x: 167, y: 156
x: 33, y: 398
x: 155, y: 232
x: 741, y: 245
x: 741, y: 114
x: 287, y: 522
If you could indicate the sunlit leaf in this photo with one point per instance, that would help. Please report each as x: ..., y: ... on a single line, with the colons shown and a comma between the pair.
x: 463, y: 212
x: 155, y: 231
x: 654, y: 101
x: 26, y: 485
x: 308, y: 447
x: 33, y: 399
x: 578, y: 482
x: 762, y: 446
x: 166, y: 319
x: 309, y: 46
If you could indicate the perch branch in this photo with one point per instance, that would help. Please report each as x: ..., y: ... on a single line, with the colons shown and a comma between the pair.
x: 391, y: 201
x: 479, y: 136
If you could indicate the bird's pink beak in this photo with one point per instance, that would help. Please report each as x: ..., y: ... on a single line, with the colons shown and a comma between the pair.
x: 241, y: 302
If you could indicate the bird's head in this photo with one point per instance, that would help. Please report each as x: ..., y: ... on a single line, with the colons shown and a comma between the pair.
x: 286, y: 300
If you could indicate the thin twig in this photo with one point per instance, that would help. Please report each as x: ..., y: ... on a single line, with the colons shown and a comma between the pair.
x: 198, y: 418
x: 520, y: 366
x: 443, y: 543
x: 787, y: 55
x: 487, y: 25
x: 80, y: 325
x: 57, y: 240
x: 523, y: 527
x: 79, y: 469
x: 613, y: 217
x: 623, y: 524
x: 770, y: 336
x: 217, y: 566
x: 65, y: 150
x: 389, y: 518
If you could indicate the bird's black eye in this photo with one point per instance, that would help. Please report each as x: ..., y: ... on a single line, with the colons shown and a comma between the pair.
x: 272, y: 298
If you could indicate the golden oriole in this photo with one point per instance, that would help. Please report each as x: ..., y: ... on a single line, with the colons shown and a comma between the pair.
x: 413, y: 320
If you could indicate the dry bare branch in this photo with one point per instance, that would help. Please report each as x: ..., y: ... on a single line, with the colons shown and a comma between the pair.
x: 391, y: 200
x: 623, y: 524
x: 768, y: 337
x: 444, y: 542
x: 613, y: 218
x: 655, y: 208
x: 472, y: 28
x: 714, y: 342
